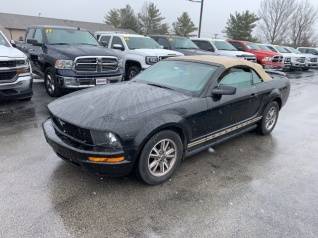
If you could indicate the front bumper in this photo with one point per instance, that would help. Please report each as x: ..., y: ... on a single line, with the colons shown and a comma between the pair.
x: 86, y: 81
x: 19, y: 89
x: 79, y: 157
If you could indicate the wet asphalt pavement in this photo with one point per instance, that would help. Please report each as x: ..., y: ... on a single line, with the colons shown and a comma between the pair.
x: 251, y: 186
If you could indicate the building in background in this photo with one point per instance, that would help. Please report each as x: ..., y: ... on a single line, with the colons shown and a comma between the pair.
x: 14, y: 25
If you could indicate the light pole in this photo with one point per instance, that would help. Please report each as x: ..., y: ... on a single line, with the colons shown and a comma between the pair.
x: 201, y: 14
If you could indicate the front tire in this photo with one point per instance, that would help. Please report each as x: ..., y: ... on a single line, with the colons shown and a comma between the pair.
x: 132, y: 71
x: 51, y: 83
x: 160, y: 158
x: 269, y: 120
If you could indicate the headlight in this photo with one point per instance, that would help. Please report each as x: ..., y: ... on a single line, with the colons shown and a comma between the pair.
x: 64, y: 64
x: 106, y: 141
x: 152, y: 60
x: 24, y: 67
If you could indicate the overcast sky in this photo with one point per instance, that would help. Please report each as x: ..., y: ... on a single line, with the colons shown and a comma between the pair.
x: 216, y: 12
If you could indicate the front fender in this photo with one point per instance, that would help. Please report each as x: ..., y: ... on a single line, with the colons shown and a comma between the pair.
x: 159, y: 123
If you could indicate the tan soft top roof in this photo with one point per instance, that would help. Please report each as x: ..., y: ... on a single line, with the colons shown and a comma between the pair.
x: 227, y: 62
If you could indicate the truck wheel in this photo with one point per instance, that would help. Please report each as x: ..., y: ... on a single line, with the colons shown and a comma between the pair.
x: 52, y: 86
x: 269, y: 120
x: 160, y: 158
x: 132, y: 71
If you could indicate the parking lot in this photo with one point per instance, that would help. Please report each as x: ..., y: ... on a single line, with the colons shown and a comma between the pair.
x: 251, y: 186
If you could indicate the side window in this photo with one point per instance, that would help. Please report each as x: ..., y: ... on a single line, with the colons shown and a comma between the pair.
x: 204, y: 45
x: 117, y: 41
x: 38, y: 35
x: 30, y: 34
x: 239, y: 78
x: 164, y: 42
x: 238, y: 46
x: 104, y: 40
x: 256, y: 78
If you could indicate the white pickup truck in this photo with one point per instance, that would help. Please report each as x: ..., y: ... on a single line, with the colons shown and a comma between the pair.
x: 15, y: 72
x: 138, y: 52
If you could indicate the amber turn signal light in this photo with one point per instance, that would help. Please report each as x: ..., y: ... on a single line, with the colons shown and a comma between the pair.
x: 106, y: 160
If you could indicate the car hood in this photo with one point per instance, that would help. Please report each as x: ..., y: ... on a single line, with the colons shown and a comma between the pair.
x: 234, y: 53
x: 10, y: 52
x: 73, y: 51
x: 195, y: 52
x: 107, y: 106
x: 155, y: 52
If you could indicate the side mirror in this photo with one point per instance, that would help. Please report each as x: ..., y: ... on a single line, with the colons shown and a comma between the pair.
x: 34, y: 42
x: 223, y: 90
x: 118, y: 47
x: 12, y: 42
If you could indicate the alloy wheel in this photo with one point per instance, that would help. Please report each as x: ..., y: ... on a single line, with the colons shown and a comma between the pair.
x: 162, y: 158
x: 50, y: 84
x: 271, y: 118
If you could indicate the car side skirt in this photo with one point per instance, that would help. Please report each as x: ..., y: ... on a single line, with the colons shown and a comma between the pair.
x: 223, y: 132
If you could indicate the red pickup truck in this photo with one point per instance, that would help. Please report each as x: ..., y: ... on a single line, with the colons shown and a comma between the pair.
x: 268, y: 59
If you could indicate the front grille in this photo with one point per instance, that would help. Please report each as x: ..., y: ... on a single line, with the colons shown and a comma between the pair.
x: 80, y: 134
x: 96, y: 64
x: 314, y: 60
x: 277, y: 59
x: 7, y: 75
x: 301, y: 60
x: 11, y: 63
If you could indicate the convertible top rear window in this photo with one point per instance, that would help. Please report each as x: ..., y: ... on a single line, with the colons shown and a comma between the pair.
x: 178, y: 75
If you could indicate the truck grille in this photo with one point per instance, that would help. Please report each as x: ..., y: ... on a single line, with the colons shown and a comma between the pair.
x: 11, y: 63
x: 96, y: 64
x: 301, y: 60
x: 314, y: 60
x: 72, y: 131
x: 277, y: 58
x: 7, y: 75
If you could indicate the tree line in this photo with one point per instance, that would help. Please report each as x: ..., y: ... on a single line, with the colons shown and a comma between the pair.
x: 289, y: 22
x: 282, y: 22
x: 149, y: 21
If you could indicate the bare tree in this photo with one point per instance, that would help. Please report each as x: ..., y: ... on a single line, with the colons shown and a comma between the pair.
x: 275, y: 18
x: 302, y: 22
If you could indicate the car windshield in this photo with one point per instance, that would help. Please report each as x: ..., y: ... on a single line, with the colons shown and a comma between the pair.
x: 3, y: 41
x: 69, y: 37
x: 182, y: 43
x: 293, y: 50
x: 263, y: 47
x: 252, y: 46
x: 223, y: 45
x: 178, y: 75
x: 141, y: 43
x: 282, y: 50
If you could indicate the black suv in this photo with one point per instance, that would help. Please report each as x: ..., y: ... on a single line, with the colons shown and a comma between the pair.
x: 70, y: 58
x: 181, y: 44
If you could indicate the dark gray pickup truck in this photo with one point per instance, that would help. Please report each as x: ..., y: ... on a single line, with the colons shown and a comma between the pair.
x: 70, y: 58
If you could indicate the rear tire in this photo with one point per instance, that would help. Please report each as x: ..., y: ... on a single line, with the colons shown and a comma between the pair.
x: 269, y: 120
x: 51, y: 83
x: 132, y: 71
x: 160, y: 158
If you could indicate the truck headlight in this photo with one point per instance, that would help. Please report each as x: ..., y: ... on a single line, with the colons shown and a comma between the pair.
x: 267, y: 59
x: 64, y: 64
x: 106, y: 141
x: 152, y: 60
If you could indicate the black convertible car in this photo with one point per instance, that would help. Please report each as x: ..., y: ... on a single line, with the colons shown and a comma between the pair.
x: 174, y: 109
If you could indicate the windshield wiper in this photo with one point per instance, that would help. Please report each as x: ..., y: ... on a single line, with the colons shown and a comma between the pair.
x: 59, y: 44
x: 160, y: 86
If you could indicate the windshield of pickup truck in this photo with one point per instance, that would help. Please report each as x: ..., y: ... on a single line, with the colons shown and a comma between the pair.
x: 223, y: 45
x: 134, y: 43
x: 3, y: 41
x: 69, y: 37
x: 282, y: 50
x: 263, y: 47
x: 182, y: 43
x: 293, y: 50
x: 252, y: 46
